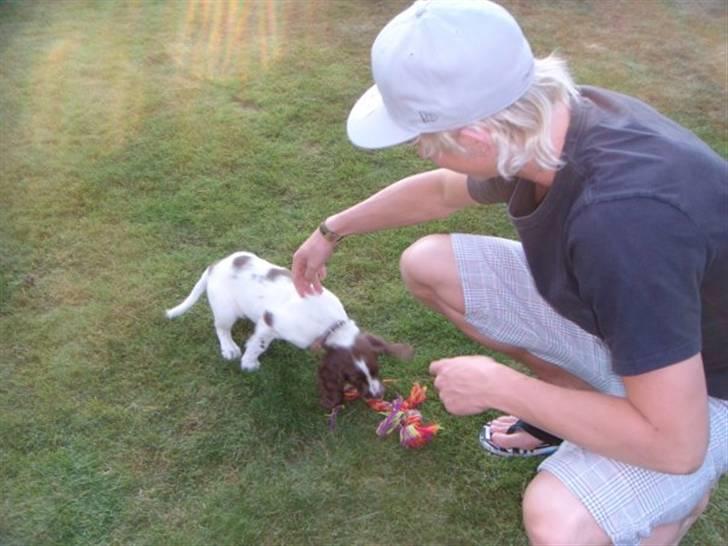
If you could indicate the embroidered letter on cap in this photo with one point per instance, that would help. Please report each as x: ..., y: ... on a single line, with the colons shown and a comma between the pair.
x: 428, y: 117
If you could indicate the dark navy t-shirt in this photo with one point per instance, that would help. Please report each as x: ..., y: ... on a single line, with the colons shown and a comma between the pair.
x: 631, y: 240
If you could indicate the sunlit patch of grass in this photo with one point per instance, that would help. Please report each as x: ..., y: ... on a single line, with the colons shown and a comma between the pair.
x: 143, y: 140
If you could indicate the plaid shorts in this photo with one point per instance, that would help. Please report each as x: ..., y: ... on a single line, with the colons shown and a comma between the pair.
x: 501, y: 301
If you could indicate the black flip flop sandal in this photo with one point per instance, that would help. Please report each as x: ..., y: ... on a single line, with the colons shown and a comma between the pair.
x: 550, y: 442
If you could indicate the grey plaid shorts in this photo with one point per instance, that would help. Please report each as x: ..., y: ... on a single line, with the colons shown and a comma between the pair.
x: 502, y: 302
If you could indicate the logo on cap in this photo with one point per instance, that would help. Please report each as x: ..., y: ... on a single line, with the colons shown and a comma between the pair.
x: 428, y: 117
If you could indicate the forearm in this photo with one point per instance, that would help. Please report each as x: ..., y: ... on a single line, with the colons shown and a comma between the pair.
x: 416, y: 199
x: 605, y: 424
x: 609, y: 425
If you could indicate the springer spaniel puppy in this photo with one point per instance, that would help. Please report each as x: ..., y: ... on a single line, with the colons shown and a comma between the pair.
x: 246, y: 286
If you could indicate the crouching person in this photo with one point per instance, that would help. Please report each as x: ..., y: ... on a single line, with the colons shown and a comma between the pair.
x: 615, y: 294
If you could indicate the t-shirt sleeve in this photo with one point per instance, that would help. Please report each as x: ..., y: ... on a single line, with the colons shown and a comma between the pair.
x: 638, y: 263
x: 491, y: 190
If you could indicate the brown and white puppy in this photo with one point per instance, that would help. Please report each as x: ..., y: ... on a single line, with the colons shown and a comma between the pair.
x: 246, y: 286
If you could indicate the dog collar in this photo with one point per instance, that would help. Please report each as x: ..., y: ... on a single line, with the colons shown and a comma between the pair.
x: 321, y: 340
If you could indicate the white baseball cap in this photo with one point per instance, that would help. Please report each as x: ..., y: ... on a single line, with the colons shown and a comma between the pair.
x: 441, y: 65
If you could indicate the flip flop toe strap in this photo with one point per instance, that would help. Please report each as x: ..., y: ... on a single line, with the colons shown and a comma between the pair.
x: 536, y: 432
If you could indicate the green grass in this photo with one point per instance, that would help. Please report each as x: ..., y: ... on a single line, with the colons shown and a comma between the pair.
x: 142, y: 140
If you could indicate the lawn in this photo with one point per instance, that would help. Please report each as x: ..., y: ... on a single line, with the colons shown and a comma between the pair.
x: 141, y: 140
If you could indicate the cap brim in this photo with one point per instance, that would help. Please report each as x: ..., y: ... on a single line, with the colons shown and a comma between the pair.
x: 369, y: 125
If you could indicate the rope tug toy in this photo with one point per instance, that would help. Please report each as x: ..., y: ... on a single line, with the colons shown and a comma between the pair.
x: 401, y: 416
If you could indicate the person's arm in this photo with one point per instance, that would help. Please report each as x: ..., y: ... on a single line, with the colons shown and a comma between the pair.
x: 412, y: 200
x: 662, y: 424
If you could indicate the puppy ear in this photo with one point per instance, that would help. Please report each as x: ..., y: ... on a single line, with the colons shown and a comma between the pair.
x: 330, y: 383
x: 402, y: 351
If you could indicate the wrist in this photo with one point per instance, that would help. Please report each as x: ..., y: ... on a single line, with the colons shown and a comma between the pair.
x: 328, y: 233
x: 507, y: 383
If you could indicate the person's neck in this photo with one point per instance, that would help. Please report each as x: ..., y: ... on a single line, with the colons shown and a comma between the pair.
x: 559, y: 126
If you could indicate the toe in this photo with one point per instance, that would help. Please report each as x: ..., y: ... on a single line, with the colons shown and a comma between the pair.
x: 521, y: 440
x: 503, y: 423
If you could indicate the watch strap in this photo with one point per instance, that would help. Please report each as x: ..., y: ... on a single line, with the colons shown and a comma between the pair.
x: 329, y: 234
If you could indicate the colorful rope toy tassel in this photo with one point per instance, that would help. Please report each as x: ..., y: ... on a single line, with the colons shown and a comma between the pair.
x: 415, y: 434
x: 401, y: 416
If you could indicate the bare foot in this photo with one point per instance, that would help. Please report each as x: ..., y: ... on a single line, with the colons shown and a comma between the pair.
x: 518, y: 439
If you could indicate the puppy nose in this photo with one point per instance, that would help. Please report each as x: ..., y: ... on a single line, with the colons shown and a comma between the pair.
x: 376, y: 389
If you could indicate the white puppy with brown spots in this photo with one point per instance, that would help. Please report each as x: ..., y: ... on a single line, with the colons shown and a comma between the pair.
x: 246, y: 286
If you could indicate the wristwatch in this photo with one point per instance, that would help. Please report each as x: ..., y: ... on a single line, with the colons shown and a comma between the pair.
x: 330, y: 236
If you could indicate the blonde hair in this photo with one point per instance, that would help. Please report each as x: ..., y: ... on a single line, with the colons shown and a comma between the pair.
x: 521, y: 132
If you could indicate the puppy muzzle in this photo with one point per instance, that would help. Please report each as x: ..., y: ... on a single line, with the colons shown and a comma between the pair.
x: 376, y: 389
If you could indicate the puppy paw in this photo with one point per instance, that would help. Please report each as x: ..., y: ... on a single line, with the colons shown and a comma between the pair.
x: 249, y: 365
x: 231, y: 353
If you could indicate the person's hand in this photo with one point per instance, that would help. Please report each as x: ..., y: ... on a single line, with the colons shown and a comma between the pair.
x: 309, y: 264
x: 465, y: 383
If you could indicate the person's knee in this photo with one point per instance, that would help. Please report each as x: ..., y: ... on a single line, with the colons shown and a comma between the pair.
x: 553, y: 515
x: 418, y: 264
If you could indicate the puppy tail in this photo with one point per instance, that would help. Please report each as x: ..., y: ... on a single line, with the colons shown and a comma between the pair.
x: 197, y: 291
